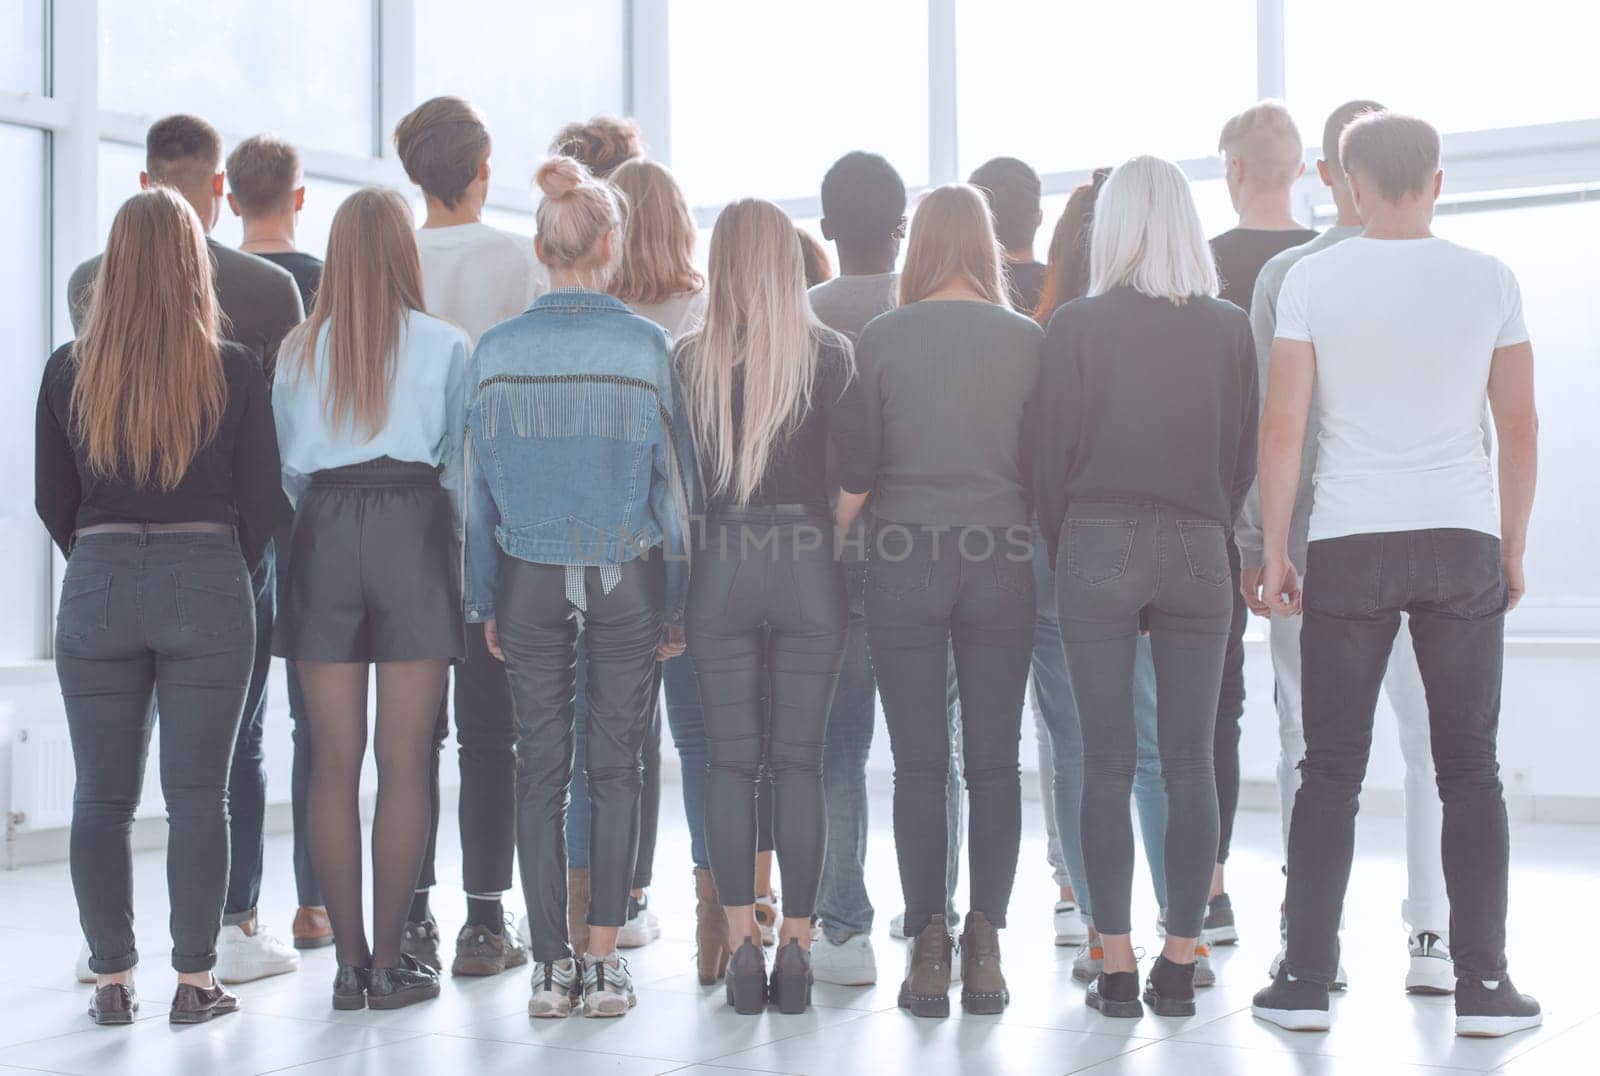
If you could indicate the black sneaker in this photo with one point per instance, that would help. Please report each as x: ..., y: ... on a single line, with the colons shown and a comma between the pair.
x: 1115, y: 993
x: 1219, y: 926
x: 1486, y: 1012
x: 420, y: 941
x: 1170, y: 989
x: 407, y: 983
x: 1293, y: 1004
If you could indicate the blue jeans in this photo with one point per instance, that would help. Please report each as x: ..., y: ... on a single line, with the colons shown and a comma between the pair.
x: 1056, y: 708
x: 843, y: 906
x: 247, y: 774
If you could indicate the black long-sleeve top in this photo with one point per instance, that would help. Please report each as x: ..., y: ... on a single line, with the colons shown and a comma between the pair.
x: 234, y: 479
x: 1141, y: 399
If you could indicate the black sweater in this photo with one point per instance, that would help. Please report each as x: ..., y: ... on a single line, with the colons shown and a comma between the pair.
x: 1146, y: 401
x: 235, y: 478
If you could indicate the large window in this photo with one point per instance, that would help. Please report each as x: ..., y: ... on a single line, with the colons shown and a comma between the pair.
x: 1461, y: 64
x: 1076, y: 85
x: 24, y: 243
x: 302, y: 68
x: 529, y: 67
x: 22, y: 43
x: 761, y: 106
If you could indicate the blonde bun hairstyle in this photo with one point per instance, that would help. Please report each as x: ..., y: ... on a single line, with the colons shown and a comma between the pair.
x: 576, y: 211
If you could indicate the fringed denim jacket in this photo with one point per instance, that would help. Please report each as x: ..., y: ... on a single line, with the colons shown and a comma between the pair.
x: 579, y: 451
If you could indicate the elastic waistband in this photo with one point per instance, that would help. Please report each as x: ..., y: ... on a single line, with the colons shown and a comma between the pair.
x: 770, y: 514
x: 224, y: 530
x: 382, y: 471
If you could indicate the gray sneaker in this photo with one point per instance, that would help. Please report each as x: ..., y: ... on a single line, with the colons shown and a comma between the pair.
x: 607, y: 988
x: 555, y: 989
x: 1204, y: 973
x: 420, y: 941
x: 1087, y: 964
x: 481, y: 951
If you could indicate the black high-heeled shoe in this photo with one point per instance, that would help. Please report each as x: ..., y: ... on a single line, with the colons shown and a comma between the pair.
x: 350, y: 987
x: 747, y: 979
x: 790, y: 985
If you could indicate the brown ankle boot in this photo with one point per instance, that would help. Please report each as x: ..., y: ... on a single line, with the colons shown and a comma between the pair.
x: 578, y: 909
x: 926, y: 989
x: 710, y: 929
x: 983, y: 987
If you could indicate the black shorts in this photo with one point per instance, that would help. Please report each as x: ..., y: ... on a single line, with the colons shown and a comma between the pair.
x: 374, y: 569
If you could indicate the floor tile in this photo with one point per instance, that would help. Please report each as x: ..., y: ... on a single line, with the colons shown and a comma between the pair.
x: 434, y: 1055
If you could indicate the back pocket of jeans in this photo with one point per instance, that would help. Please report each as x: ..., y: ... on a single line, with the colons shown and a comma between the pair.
x: 85, y: 605
x: 1098, y: 549
x: 1206, y: 549
x: 211, y: 603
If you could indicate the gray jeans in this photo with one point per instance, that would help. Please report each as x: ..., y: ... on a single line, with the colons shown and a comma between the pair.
x: 1116, y: 562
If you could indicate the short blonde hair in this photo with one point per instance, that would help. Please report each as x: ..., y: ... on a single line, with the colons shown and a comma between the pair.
x: 576, y: 212
x: 1265, y: 138
x: 1147, y: 235
x: 952, y: 236
x: 263, y: 173
x: 1399, y: 153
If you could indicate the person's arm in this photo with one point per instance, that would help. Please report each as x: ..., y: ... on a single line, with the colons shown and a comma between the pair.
x: 859, y: 472
x: 455, y: 433
x: 1290, y: 379
x: 287, y: 313
x: 257, y: 470
x: 1248, y: 418
x: 1028, y: 432
x: 675, y: 500
x: 57, y: 491
x: 482, y: 513
x: 1055, y: 426
x: 1516, y: 424
x: 1247, y: 528
x: 846, y: 412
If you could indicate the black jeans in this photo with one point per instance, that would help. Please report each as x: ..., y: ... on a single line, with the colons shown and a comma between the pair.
x: 1230, y: 709
x: 1451, y: 584
x: 165, y: 619
x: 1116, y: 562
x: 931, y: 590
x: 539, y: 635
x: 766, y: 623
x: 247, y: 775
x: 485, y: 735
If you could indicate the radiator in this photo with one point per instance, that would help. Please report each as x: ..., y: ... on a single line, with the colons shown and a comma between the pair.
x: 42, y: 776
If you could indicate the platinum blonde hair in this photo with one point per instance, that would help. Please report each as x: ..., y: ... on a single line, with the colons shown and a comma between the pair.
x: 757, y: 317
x: 1147, y: 235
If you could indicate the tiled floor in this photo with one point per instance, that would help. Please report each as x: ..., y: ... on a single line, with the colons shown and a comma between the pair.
x: 479, y: 1027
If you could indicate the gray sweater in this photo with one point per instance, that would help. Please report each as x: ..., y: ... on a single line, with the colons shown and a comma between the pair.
x: 947, y: 390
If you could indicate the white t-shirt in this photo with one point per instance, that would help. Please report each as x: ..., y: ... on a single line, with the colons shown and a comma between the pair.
x: 680, y: 315
x: 1404, y: 331
x: 477, y: 276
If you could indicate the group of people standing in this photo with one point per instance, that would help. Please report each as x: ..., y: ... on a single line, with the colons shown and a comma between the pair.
x: 585, y: 475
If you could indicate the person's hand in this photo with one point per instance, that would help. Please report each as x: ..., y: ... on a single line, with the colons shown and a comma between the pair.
x: 1280, y: 584
x: 491, y: 639
x: 672, y: 643
x: 1250, y: 587
x: 1516, y: 585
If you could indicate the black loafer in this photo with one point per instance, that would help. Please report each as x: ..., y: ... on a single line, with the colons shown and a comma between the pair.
x: 350, y: 987
x: 114, y: 1003
x: 407, y: 983
x: 197, y: 1004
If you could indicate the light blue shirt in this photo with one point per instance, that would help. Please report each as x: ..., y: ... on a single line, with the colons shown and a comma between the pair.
x: 427, y: 410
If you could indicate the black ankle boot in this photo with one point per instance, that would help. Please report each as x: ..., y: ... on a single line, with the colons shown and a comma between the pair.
x: 1170, y: 989
x: 789, y: 989
x: 1115, y: 993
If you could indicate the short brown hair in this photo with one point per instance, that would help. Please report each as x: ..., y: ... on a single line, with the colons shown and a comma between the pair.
x: 1399, y: 153
x: 182, y: 151
x: 442, y: 143
x: 263, y: 172
x: 602, y: 145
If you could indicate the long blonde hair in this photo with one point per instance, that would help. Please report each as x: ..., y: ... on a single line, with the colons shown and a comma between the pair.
x: 371, y: 281
x: 658, y: 252
x: 757, y: 314
x: 149, y: 391
x: 952, y: 236
x: 1147, y: 235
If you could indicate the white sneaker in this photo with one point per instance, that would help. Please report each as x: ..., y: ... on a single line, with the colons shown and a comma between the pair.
x: 1432, y: 971
x: 1088, y: 963
x: 847, y: 963
x: 607, y: 987
x: 1070, y: 927
x: 766, y: 911
x: 897, y: 927
x: 1340, y: 980
x: 82, y: 970
x: 242, y: 958
x: 642, y: 927
x: 555, y: 987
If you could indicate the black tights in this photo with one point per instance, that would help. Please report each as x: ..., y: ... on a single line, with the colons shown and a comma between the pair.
x: 336, y: 705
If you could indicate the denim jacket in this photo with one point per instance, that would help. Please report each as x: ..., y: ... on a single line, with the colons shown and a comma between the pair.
x: 579, y: 450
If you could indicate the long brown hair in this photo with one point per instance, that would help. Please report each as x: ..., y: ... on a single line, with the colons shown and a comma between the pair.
x: 371, y: 280
x: 1066, y: 272
x: 658, y: 248
x: 952, y: 236
x: 149, y: 391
